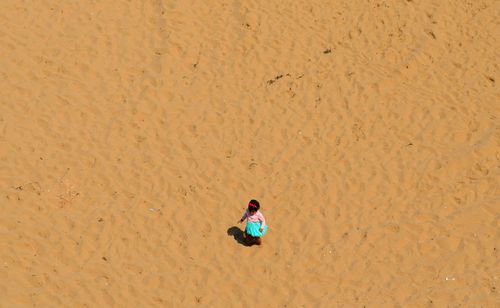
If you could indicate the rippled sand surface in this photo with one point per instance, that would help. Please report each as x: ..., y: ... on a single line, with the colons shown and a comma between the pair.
x: 133, y: 134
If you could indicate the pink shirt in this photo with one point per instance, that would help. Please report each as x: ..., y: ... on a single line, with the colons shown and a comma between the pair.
x: 255, y: 218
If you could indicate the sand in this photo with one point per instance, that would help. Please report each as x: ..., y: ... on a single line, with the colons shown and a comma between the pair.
x: 133, y: 134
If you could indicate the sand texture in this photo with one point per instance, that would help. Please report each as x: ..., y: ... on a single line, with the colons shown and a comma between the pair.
x: 133, y: 134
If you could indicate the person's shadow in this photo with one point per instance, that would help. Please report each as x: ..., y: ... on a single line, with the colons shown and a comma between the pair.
x: 237, y: 233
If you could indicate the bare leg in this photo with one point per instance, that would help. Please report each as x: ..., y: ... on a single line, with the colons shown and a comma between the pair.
x: 252, y: 240
x: 258, y: 241
x: 248, y: 239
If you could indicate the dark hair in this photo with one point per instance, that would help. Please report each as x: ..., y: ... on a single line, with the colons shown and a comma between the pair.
x: 253, y: 205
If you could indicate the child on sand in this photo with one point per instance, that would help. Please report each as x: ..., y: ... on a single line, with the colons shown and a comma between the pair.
x: 256, y: 223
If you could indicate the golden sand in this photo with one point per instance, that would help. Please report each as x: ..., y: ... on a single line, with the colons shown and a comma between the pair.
x: 133, y: 134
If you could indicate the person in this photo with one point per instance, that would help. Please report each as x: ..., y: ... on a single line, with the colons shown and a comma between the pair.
x: 256, y: 224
